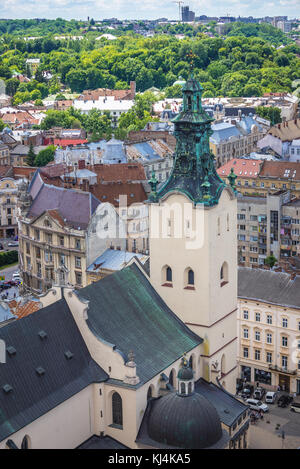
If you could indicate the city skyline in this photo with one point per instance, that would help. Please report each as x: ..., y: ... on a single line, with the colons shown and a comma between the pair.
x: 99, y: 9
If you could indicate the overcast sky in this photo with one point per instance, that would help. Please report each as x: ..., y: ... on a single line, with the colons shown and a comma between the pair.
x: 143, y: 9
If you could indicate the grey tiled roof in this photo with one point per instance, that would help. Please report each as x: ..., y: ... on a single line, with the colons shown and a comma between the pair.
x: 105, y: 442
x: 268, y: 286
x: 228, y: 407
x: 32, y: 395
x: 126, y: 311
x: 76, y: 207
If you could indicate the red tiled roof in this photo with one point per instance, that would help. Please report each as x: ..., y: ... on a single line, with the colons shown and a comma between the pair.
x: 123, y: 172
x: 21, y: 171
x: 54, y: 170
x: 286, y: 131
x: 112, y: 191
x: 56, y: 216
x: 96, y: 94
x: 65, y: 142
x: 242, y: 168
x: 21, y: 311
x: 5, y: 170
x: 281, y: 169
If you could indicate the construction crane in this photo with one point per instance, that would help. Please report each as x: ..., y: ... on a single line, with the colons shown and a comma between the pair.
x: 179, y: 3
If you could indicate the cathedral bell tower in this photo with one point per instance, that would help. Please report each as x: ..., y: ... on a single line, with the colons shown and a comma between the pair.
x: 193, y: 246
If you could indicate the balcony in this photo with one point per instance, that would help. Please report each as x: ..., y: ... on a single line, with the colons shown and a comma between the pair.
x: 283, y: 370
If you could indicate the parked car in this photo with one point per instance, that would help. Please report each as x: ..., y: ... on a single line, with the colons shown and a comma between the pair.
x: 257, y: 405
x: 270, y: 397
x: 247, y: 391
x: 295, y: 407
x: 259, y: 393
x: 13, y: 244
x: 284, y: 400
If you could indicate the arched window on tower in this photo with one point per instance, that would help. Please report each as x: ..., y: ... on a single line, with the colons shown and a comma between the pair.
x: 224, y: 274
x: 117, y: 410
x: 191, y: 277
x: 166, y: 276
x: 198, y: 103
x: 189, y: 103
x: 182, y: 388
x: 169, y: 274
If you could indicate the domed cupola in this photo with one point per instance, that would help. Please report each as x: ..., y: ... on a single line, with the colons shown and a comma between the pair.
x: 185, y: 379
x: 185, y: 419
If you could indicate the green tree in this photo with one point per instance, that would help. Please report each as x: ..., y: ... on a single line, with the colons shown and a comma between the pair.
x: 45, y: 156
x: 30, y: 159
x: 271, y: 260
x: 1, y: 125
x: 273, y: 114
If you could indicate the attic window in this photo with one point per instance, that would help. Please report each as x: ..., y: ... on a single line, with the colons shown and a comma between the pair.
x: 42, y: 334
x: 7, y: 388
x: 69, y: 355
x: 11, y: 351
x: 40, y: 371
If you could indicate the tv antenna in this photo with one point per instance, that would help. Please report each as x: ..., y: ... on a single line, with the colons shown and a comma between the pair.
x: 179, y: 3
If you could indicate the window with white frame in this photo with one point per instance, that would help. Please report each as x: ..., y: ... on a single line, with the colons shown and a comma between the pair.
x: 269, y: 319
x: 257, y: 317
x: 284, y: 361
x: 269, y: 338
x: 257, y: 355
x: 269, y: 357
x: 257, y: 335
x: 284, y: 341
x: 284, y: 322
x: 246, y: 314
x: 245, y: 352
x: 246, y: 333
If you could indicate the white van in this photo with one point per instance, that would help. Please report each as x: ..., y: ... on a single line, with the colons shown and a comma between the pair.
x: 254, y: 404
x: 270, y: 397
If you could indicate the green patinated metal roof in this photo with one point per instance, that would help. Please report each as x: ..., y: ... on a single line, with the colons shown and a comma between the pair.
x: 42, y: 340
x: 126, y: 311
x: 194, y: 172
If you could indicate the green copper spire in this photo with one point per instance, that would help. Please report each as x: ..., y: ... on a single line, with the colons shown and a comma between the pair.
x: 194, y: 172
x: 231, y: 178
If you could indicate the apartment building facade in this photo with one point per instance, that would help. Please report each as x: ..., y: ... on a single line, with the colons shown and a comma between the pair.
x: 235, y: 139
x: 261, y: 177
x: 269, y: 328
x: 8, y: 207
x: 267, y: 225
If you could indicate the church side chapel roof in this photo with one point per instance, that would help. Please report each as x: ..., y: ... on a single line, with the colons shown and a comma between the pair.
x: 125, y: 310
x: 229, y: 409
x: 47, y: 362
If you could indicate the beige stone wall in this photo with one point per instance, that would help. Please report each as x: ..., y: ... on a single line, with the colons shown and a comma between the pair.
x: 64, y: 427
x: 209, y: 309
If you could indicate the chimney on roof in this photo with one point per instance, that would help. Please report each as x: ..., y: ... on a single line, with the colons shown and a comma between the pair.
x: 81, y: 164
x: 133, y: 89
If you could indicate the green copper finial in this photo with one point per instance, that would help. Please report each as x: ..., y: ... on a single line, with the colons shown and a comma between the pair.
x: 206, y: 188
x: 231, y: 178
x: 153, y: 184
